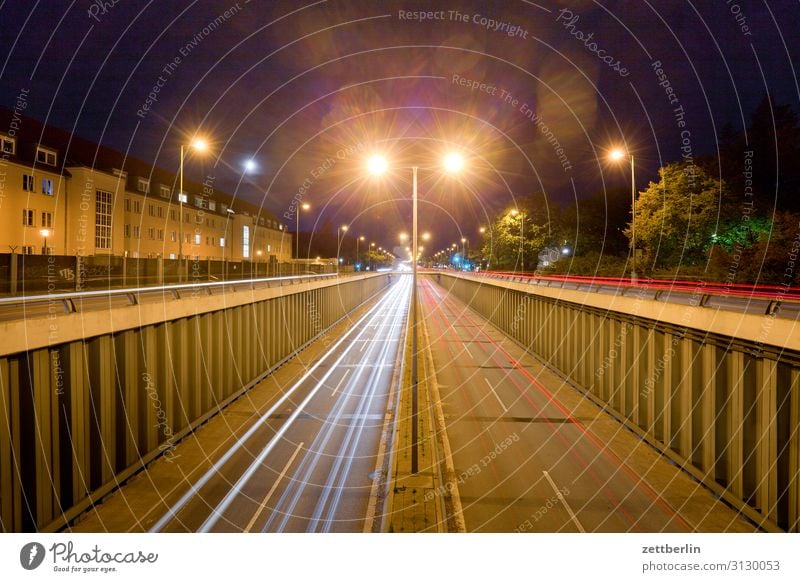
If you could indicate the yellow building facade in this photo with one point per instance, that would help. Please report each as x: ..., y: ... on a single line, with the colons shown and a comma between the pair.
x: 50, y: 201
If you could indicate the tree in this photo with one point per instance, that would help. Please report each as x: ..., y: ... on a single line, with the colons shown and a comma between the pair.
x: 533, y: 218
x: 676, y: 217
x: 597, y: 224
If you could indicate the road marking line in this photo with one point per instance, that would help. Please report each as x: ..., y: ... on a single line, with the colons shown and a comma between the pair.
x: 495, y: 395
x: 340, y: 382
x: 272, y: 490
x: 564, y: 503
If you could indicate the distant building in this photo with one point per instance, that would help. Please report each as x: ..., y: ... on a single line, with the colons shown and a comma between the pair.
x: 91, y: 200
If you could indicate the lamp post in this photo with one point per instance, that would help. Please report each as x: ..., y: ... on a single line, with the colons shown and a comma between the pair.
x: 339, y: 231
x: 45, y: 232
x: 516, y: 212
x: 304, y: 206
x: 453, y: 162
x: 358, y: 238
x: 616, y: 155
x: 199, y: 145
x: 371, y: 249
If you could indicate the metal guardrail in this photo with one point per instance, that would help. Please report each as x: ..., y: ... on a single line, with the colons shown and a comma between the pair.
x: 73, y: 302
x: 774, y: 300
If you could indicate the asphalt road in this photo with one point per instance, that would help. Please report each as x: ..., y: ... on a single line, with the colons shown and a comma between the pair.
x: 307, y: 464
x: 523, y: 461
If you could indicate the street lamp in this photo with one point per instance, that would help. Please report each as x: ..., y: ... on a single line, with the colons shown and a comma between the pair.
x: 453, y: 162
x: 516, y: 212
x: 303, y: 206
x: 617, y: 155
x: 200, y: 145
x: 358, y: 238
x: 45, y: 232
x: 339, y: 231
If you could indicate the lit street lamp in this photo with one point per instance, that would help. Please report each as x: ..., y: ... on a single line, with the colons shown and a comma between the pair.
x: 199, y: 145
x: 516, y: 212
x: 358, y: 238
x: 453, y: 162
x: 45, y: 233
x: 304, y: 206
x: 616, y: 155
x: 339, y: 231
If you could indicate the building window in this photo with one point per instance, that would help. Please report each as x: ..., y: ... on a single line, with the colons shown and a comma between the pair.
x: 7, y: 145
x: 28, y: 217
x: 172, y: 256
x: 197, y: 239
x: 212, y: 205
x: 246, y: 241
x: 127, y: 230
x: 143, y: 186
x: 27, y: 183
x: 151, y: 210
x: 137, y: 232
x: 28, y: 250
x: 44, y: 156
x: 222, y: 242
x: 47, y: 186
x: 261, y: 221
x: 174, y: 237
x: 199, y: 202
x: 137, y: 207
x: 173, y: 215
x: 102, y: 218
x: 182, y: 197
x: 269, y: 248
x: 151, y: 233
x: 160, y: 210
x: 127, y: 205
x: 164, y: 191
x: 47, y: 220
x: 160, y: 234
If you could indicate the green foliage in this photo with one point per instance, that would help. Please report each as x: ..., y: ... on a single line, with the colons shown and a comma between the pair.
x: 742, y: 233
x: 591, y: 263
x: 512, y: 238
x: 676, y: 217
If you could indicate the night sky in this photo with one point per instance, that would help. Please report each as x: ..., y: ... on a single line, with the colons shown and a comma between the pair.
x: 533, y: 93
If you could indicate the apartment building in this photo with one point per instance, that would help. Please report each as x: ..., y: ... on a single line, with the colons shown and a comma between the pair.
x: 63, y: 195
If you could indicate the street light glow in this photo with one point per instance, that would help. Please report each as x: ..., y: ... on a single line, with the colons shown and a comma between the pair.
x: 199, y: 144
x: 453, y: 162
x: 377, y: 165
x: 306, y: 206
x: 344, y: 228
x: 250, y: 166
x: 617, y: 154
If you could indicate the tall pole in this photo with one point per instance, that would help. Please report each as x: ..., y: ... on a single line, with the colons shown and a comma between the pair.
x: 338, y: 244
x: 180, y: 221
x: 522, y: 239
x: 414, y: 370
x: 356, y: 261
x: 633, y: 220
x: 297, y: 233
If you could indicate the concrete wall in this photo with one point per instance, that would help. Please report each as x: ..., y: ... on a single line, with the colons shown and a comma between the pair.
x: 89, y: 394
x: 718, y: 392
